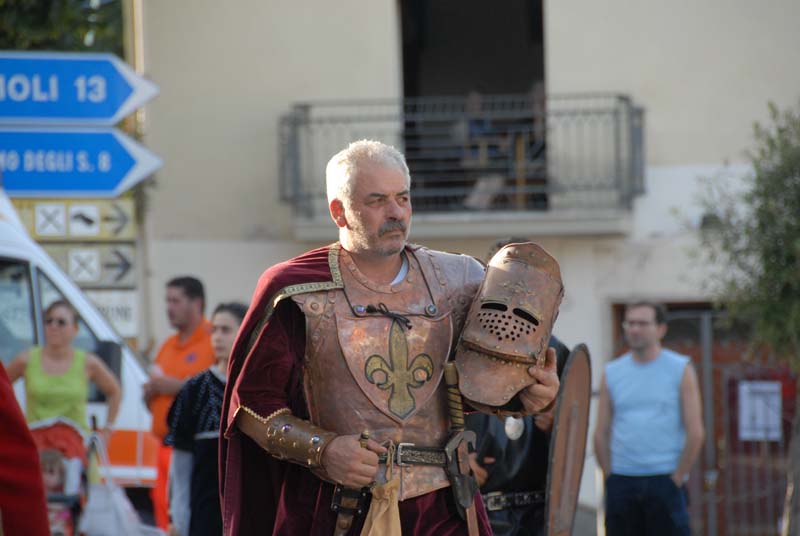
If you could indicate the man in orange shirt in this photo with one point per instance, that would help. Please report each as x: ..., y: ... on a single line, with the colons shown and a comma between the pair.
x: 183, y: 355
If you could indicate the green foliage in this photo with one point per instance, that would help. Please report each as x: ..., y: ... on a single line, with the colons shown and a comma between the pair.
x: 752, y: 237
x: 64, y: 25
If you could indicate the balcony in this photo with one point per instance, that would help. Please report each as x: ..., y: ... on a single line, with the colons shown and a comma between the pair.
x: 481, y: 166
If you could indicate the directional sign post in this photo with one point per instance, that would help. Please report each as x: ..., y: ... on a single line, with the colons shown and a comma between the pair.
x: 68, y: 89
x: 43, y: 162
x: 58, y: 147
x: 78, y: 219
x: 97, y: 265
x: 121, y: 307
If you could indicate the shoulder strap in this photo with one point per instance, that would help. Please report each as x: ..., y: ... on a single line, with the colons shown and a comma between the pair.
x: 78, y: 361
x: 34, y: 364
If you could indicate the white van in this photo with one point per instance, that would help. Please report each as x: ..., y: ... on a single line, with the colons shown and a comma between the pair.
x: 29, y: 281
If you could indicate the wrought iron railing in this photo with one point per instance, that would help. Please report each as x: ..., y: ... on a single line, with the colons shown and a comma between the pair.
x: 491, y: 152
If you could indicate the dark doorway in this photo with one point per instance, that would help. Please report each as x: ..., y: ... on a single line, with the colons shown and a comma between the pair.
x: 452, y: 47
x: 474, y: 110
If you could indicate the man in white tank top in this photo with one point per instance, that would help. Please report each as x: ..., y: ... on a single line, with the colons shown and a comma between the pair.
x: 649, y: 430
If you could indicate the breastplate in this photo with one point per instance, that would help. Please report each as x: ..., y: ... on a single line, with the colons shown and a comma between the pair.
x: 371, y: 371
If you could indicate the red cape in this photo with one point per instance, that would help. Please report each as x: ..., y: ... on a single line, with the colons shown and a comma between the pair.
x: 22, y: 499
x: 310, y: 267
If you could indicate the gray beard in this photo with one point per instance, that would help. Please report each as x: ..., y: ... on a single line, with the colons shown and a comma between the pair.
x: 389, y: 252
x: 362, y: 246
x: 360, y: 243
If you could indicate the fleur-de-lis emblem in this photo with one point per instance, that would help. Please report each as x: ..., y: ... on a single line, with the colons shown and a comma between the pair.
x: 397, y: 375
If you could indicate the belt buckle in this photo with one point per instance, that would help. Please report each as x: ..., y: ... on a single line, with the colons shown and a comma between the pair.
x: 493, y: 501
x: 398, y: 459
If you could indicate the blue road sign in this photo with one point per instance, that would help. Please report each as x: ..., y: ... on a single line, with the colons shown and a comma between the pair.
x: 68, y: 89
x: 64, y: 162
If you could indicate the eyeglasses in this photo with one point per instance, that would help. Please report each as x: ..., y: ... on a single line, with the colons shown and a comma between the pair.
x: 60, y: 322
x: 627, y: 324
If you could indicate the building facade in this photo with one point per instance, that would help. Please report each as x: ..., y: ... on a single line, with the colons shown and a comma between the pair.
x: 664, y: 95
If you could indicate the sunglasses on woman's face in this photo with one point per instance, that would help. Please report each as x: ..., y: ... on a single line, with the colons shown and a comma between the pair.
x: 60, y: 322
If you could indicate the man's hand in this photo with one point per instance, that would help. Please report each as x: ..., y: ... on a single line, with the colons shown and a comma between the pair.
x: 544, y: 421
x: 347, y: 463
x: 539, y: 395
x: 162, y: 385
x: 148, y: 391
x: 480, y: 472
x: 677, y: 480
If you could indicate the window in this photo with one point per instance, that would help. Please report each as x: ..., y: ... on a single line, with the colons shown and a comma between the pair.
x: 17, y: 328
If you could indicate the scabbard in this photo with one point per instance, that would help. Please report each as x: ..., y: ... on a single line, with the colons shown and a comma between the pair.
x: 461, y: 442
x: 349, y: 503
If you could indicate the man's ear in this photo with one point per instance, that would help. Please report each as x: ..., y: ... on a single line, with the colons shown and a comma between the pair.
x: 336, y: 208
x: 199, y: 304
x: 662, y: 331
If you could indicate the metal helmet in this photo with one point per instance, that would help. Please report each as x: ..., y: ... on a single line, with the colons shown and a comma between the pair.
x: 508, y: 326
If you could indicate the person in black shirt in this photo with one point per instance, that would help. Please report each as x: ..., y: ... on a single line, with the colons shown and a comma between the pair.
x: 511, y: 457
x: 510, y: 464
x: 194, y: 434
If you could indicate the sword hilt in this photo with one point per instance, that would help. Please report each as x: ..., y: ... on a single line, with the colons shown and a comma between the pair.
x: 455, y: 404
x: 457, y: 450
x: 349, y: 503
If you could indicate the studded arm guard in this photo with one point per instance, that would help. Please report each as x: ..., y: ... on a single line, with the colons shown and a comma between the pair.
x: 293, y: 439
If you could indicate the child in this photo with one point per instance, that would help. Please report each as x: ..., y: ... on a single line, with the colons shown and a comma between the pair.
x: 53, y: 476
x: 53, y: 473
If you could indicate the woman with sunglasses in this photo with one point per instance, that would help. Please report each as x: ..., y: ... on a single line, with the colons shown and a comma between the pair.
x: 57, y: 375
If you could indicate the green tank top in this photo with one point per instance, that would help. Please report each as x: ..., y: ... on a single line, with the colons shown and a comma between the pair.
x: 56, y: 395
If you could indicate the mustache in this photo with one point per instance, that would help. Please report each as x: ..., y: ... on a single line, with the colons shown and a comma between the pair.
x: 391, y: 225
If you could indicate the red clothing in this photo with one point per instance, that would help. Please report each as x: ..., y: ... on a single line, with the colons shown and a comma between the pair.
x: 61, y: 437
x: 260, y: 494
x: 23, y: 506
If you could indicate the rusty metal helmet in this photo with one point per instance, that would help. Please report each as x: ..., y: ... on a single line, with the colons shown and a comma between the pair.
x: 508, y: 325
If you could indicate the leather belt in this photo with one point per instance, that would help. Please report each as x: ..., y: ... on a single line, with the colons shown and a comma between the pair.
x: 497, y: 500
x: 410, y: 454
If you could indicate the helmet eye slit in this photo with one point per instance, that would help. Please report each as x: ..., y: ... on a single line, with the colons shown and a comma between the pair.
x: 525, y: 315
x: 495, y: 306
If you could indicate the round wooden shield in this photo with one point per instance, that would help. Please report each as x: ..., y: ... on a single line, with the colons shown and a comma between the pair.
x: 568, y: 442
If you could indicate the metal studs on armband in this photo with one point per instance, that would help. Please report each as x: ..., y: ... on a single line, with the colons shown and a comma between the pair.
x: 296, y: 440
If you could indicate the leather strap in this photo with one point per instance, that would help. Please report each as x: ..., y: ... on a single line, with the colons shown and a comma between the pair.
x: 347, y: 503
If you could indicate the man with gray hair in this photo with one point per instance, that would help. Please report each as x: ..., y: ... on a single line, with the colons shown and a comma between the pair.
x: 336, y: 416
